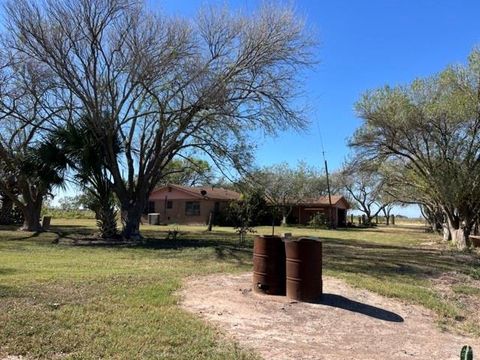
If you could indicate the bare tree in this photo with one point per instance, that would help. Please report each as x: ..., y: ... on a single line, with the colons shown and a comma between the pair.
x: 29, y: 166
x: 166, y: 85
x: 364, y: 184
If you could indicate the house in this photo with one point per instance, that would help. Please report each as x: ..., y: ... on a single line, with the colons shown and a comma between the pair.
x: 189, y: 205
x: 337, y: 213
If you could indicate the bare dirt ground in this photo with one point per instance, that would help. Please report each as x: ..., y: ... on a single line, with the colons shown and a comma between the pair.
x: 347, y: 324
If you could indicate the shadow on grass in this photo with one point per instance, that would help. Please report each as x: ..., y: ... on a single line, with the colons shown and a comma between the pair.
x: 382, y: 260
x: 32, y: 236
x: 72, y: 229
x: 344, y: 303
x: 8, y: 291
x: 7, y: 271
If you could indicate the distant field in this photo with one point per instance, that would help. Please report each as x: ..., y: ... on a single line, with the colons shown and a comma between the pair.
x: 118, y: 302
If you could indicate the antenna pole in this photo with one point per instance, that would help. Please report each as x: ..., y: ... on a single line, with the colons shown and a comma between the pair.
x: 329, y: 193
x: 328, y: 182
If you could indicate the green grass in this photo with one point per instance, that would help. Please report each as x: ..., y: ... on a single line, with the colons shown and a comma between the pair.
x: 119, y: 302
x: 466, y: 290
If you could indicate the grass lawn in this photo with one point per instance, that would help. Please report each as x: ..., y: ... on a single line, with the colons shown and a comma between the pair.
x: 83, y: 302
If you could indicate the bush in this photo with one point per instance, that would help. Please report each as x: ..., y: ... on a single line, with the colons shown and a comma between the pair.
x: 68, y: 214
x: 319, y: 220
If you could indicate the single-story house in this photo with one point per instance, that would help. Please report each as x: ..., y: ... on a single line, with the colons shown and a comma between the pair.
x: 189, y: 205
x: 336, y: 214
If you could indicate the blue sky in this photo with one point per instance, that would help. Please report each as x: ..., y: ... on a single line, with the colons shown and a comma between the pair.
x: 363, y: 45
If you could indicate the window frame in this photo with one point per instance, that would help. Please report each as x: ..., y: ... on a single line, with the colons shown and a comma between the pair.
x: 192, y: 208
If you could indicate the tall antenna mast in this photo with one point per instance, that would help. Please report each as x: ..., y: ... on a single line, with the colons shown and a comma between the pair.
x: 328, y: 179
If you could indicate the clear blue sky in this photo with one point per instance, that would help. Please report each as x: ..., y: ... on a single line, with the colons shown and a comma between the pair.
x: 363, y: 44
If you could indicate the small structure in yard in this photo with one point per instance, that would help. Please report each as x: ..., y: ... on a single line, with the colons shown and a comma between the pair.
x: 177, y: 204
x: 335, y: 215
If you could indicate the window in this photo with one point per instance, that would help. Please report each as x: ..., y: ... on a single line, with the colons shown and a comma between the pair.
x: 169, y: 204
x: 192, y: 208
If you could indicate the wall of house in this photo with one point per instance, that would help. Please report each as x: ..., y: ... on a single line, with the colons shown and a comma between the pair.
x: 177, y: 213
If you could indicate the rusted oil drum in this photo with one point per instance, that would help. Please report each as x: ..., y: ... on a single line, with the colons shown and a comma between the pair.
x: 304, y: 269
x: 269, y: 265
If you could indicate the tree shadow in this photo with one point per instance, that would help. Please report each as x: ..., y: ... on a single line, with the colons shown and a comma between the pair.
x: 344, y: 303
x: 384, y: 260
x: 31, y: 236
x: 8, y: 291
x: 7, y: 271
x: 175, y: 244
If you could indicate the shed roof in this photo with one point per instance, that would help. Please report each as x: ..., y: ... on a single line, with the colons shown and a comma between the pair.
x: 324, y: 201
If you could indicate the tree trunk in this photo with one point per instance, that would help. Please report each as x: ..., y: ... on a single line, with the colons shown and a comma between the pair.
x: 459, y: 238
x: 459, y: 233
x: 284, y: 216
x: 210, y: 221
x: 446, y: 232
x: 6, y: 211
x: 32, y: 212
x: 131, y: 223
x: 387, y: 220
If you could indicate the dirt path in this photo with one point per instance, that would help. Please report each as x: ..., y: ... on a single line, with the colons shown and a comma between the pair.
x: 348, y: 324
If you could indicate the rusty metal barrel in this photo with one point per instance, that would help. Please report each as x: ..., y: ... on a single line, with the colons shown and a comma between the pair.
x: 269, y: 265
x: 304, y: 269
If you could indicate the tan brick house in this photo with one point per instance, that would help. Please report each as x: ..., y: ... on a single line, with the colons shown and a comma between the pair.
x: 189, y: 205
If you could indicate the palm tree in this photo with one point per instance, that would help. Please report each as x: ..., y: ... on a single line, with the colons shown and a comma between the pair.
x: 34, y: 171
x: 81, y: 147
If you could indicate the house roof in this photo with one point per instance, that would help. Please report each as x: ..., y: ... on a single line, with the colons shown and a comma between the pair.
x: 204, y: 192
x: 324, y: 201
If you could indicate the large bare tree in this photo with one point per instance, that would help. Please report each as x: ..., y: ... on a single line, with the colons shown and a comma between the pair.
x: 165, y: 85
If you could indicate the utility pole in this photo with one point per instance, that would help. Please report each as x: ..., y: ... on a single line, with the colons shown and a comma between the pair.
x: 330, y: 217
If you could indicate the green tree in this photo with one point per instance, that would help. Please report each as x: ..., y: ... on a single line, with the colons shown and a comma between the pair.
x: 284, y: 187
x: 250, y: 211
x: 188, y: 172
x: 86, y: 158
x: 432, y: 126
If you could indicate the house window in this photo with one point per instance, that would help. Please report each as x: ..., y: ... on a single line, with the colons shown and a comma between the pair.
x: 169, y: 204
x: 192, y: 208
